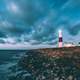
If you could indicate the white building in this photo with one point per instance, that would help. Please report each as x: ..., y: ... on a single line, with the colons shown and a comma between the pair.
x: 69, y: 44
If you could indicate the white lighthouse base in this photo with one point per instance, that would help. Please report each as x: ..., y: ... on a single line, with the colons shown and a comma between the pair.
x: 60, y: 45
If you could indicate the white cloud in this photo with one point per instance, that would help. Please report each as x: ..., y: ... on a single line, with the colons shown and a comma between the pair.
x: 5, y: 24
x: 71, y: 4
x: 13, y: 7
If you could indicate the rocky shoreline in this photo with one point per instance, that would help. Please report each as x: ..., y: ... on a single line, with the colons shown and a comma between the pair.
x: 35, y: 65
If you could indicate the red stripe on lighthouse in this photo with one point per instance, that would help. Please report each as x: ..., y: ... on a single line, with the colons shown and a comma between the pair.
x: 60, y: 39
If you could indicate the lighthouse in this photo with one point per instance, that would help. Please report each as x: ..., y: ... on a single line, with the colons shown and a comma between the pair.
x: 60, y: 43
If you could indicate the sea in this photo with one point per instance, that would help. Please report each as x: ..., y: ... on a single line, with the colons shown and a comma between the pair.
x: 8, y: 58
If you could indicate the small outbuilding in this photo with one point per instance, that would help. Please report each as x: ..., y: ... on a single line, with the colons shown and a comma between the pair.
x: 69, y: 44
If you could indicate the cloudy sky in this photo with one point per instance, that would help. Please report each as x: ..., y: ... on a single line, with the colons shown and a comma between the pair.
x: 38, y: 21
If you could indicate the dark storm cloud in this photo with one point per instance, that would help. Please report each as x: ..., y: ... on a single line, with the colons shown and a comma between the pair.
x: 38, y: 20
x: 71, y: 10
x: 44, y: 31
x: 33, y: 10
x: 2, y: 34
x: 74, y: 29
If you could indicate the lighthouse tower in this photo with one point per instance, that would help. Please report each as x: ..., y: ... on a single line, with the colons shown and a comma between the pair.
x: 60, y: 43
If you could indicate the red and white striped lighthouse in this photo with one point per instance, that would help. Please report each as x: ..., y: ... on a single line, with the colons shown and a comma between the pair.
x: 60, y: 44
